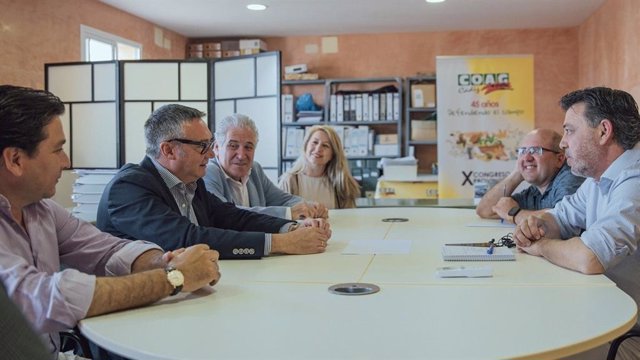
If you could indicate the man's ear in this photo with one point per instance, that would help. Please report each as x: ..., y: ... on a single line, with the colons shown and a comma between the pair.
x: 13, y: 160
x: 167, y: 151
x: 605, y: 131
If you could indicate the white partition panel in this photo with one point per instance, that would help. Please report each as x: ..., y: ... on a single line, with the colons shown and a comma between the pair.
x: 223, y: 108
x: 135, y: 113
x: 94, y: 135
x: 202, y: 106
x: 267, y: 75
x: 264, y: 112
x: 193, y: 81
x: 234, y: 78
x: 70, y: 82
x: 151, y: 81
x: 104, y: 81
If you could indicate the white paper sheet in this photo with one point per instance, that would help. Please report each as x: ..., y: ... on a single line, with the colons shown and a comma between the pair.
x: 362, y: 247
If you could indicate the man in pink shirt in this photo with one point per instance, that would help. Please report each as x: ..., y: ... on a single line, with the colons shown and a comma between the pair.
x: 102, y: 273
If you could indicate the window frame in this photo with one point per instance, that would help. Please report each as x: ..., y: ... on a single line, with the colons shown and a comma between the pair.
x: 87, y: 32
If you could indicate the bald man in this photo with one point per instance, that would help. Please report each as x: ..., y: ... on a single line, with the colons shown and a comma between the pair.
x: 542, y: 164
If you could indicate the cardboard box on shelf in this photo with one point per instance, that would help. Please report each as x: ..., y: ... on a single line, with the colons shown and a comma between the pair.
x: 400, y: 172
x: 230, y: 45
x: 213, y: 54
x: 252, y: 51
x: 230, y: 53
x: 305, y: 76
x: 423, y: 95
x: 253, y: 44
x: 387, y: 139
x: 385, y: 150
x: 195, y: 54
x: 424, y: 130
x: 212, y: 46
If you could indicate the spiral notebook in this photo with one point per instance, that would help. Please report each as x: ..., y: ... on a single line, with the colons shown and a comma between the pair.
x: 472, y: 253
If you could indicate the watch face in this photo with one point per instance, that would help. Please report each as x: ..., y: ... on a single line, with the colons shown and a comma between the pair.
x: 175, y: 277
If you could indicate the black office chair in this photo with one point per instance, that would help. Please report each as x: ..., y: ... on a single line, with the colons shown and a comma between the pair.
x: 71, y: 339
x: 615, y: 344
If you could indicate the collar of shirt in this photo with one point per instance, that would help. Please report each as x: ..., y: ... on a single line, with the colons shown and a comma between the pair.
x: 171, y: 180
x: 564, y: 167
x: 243, y: 180
x: 5, y: 205
x: 628, y: 158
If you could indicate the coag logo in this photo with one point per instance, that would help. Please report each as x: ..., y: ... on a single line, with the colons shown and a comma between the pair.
x: 486, y: 83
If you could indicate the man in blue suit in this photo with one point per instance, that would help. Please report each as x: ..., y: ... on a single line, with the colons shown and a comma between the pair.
x: 233, y: 176
x: 164, y: 198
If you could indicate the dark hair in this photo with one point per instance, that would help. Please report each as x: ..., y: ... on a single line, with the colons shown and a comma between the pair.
x: 166, y: 123
x: 615, y: 105
x: 24, y: 113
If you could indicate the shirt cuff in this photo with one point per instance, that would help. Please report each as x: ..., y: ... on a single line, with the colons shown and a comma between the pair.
x: 120, y: 263
x: 287, y: 213
x: 267, y: 244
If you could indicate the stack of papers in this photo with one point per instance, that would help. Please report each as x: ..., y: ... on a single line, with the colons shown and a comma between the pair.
x: 475, y: 253
x: 87, y: 191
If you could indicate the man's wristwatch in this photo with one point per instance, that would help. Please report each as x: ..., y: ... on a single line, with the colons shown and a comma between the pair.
x: 175, y: 278
x: 293, y: 227
x: 513, y: 212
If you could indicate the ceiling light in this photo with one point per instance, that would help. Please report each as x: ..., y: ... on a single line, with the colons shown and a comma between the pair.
x: 434, y: 1
x: 257, y: 7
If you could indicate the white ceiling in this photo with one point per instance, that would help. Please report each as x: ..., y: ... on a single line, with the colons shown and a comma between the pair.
x: 226, y: 18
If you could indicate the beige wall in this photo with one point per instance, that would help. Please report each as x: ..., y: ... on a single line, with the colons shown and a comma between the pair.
x: 405, y: 54
x: 610, y: 47
x: 35, y: 32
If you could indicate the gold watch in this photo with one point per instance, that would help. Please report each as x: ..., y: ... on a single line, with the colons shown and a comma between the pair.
x: 175, y: 278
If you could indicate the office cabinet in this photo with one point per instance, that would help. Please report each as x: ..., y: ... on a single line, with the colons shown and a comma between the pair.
x: 421, y: 121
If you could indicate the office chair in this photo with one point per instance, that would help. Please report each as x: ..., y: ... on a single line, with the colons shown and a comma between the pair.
x: 615, y: 344
x: 71, y: 339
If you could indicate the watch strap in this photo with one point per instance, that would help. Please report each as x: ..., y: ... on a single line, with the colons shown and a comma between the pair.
x: 514, y: 212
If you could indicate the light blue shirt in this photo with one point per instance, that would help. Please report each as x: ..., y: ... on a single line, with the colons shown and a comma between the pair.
x: 607, y: 210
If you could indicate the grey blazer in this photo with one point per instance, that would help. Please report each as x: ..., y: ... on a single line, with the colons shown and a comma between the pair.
x: 264, y: 196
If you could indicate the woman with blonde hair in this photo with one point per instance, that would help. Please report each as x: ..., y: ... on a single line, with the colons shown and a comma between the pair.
x: 321, y: 173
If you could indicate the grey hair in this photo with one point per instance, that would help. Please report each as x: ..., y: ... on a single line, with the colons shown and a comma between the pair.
x: 234, y: 121
x: 166, y: 123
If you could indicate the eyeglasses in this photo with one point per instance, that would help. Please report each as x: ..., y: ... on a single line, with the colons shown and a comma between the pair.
x: 534, y: 150
x: 205, y: 145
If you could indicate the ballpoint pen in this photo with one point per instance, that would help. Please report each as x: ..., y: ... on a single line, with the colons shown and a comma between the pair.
x: 490, y: 249
x: 504, y: 194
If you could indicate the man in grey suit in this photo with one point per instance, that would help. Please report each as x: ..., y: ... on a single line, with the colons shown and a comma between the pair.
x: 233, y: 176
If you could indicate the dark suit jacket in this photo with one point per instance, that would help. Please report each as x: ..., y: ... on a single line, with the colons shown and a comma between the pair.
x: 137, y: 204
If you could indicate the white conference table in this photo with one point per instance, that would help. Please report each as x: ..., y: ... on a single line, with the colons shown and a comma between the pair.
x: 279, y: 307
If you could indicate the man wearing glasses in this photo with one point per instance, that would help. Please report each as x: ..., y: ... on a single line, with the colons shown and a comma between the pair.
x: 542, y: 164
x: 164, y: 198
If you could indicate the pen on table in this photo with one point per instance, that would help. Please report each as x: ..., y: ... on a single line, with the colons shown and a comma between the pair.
x: 490, y: 249
x: 504, y: 194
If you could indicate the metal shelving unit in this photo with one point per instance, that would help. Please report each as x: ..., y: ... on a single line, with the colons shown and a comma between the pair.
x: 424, y: 150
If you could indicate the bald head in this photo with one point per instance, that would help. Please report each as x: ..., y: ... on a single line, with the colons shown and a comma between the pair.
x: 547, y: 138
